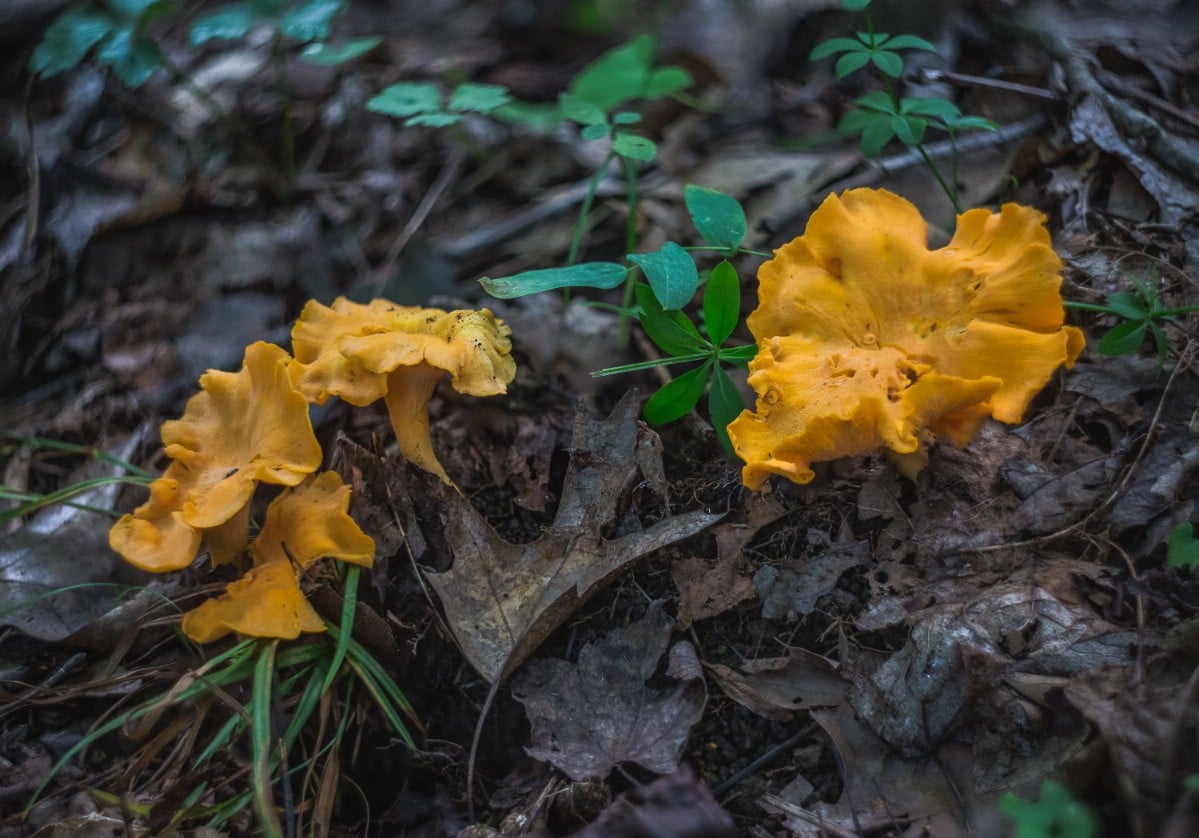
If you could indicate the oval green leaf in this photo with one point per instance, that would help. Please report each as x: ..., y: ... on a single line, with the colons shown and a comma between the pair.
x: 1125, y: 338
x: 586, y: 275
x: 479, y: 98
x: 333, y: 55
x: 724, y: 405
x: 722, y: 302
x: 671, y: 273
x: 633, y: 147
x: 677, y: 398
x: 406, y: 99
x: 718, y: 217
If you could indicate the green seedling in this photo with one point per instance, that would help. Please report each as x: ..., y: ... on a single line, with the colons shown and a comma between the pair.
x: 1143, y: 315
x: 672, y: 280
x: 1056, y: 815
x: 423, y: 104
x: 881, y: 116
x: 302, y: 21
x: 300, y: 675
x: 113, y: 33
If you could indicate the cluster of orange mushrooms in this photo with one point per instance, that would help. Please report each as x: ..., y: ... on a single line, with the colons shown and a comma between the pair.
x: 253, y: 427
x: 867, y: 340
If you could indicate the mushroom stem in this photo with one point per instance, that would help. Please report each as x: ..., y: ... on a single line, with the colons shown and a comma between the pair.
x: 226, y: 542
x: 409, y: 389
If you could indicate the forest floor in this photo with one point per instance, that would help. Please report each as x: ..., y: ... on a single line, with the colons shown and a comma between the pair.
x: 1009, y: 638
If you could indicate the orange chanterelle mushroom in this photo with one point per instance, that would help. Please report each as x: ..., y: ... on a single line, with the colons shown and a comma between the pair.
x: 303, y: 525
x: 362, y: 353
x: 243, y: 428
x: 868, y: 339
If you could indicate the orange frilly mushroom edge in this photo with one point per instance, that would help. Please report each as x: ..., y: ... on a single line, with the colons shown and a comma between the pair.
x: 867, y: 339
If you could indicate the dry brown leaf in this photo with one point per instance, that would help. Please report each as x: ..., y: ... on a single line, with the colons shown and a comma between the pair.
x: 502, y: 599
x: 708, y: 588
x: 589, y: 717
x: 776, y: 687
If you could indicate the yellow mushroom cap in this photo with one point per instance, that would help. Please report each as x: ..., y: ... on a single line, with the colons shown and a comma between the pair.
x: 242, y: 428
x: 312, y: 521
x: 266, y: 602
x: 869, y: 340
x: 363, y: 352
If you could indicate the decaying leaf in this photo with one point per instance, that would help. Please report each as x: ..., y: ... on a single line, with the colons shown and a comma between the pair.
x: 797, y: 584
x: 502, y: 599
x: 58, y: 575
x: 776, y: 687
x: 591, y: 716
x: 708, y: 588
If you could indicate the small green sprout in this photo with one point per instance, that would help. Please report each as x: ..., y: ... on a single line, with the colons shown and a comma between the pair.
x: 883, y: 115
x: 113, y: 33
x: 1056, y: 815
x: 1143, y: 315
x: 1182, y: 548
x: 423, y: 104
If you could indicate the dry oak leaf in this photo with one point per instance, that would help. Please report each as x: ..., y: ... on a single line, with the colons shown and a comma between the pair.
x: 503, y: 599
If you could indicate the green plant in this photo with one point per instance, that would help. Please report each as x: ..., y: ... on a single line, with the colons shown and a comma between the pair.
x: 303, y: 21
x: 883, y: 115
x: 299, y: 675
x: 1143, y: 315
x: 422, y: 104
x: 672, y: 280
x: 1057, y: 814
x: 113, y: 32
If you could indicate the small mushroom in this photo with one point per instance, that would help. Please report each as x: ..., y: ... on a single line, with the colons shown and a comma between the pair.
x: 870, y: 340
x: 364, y: 352
x: 242, y: 428
x: 303, y: 525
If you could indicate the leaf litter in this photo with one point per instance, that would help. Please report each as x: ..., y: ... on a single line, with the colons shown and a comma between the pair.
x: 901, y: 653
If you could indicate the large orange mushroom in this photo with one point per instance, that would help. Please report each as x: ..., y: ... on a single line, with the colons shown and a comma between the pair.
x: 870, y: 340
x: 242, y: 428
x: 364, y: 352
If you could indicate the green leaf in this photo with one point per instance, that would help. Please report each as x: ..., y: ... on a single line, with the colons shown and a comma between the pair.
x: 665, y: 81
x: 433, y: 120
x: 676, y: 399
x: 478, y: 98
x: 617, y: 76
x: 719, y: 218
x: 1125, y: 338
x: 1128, y: 304
x: 406, y: 99
x: 968, y: 123
x: 849, y: 63
x: 68, y: 39
x: 909, y: 42
x: 722, y: 302
x: 333, y: 55
x: 310, y: 21
x: 135, y: 10
x: 724, y: 405
x: 133, y: 58
x: 586, y: 275
x: 577, y: 109
x: 876, y: 135
x: 225, y: 23
x: 833, y: 46
x: 939, y: 108
x: 595, y: 132
x: 672, y: 331
x: 877, y: 100
x: 633, y: 147
x: 739, y: 355
x: 535, y: 115
x: 888, y: 63
x: 671, y: 273
x: 854, y: 5
x: 909, y: 129
x: 1160, y: 341
x: 626, y: 118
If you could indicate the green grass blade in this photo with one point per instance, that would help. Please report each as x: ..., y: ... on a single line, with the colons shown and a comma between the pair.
x: 348, y: 605
x: 261, y: 741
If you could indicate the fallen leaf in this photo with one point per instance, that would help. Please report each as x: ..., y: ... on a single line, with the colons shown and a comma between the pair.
x: 776, y: 687
x: 707, y: 588
x: 678, y: 805
x: 58, y: 574
x: 589, y: 717
x: 797, y: 584
x: 502, y: 599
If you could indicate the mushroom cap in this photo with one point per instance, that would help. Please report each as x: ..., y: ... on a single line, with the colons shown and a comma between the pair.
x: 266, y: 602
x: 242, y: 428
x: 348, y: 349
x: 312, y: 521
x: 870, y: 340
x: 154, y: 537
